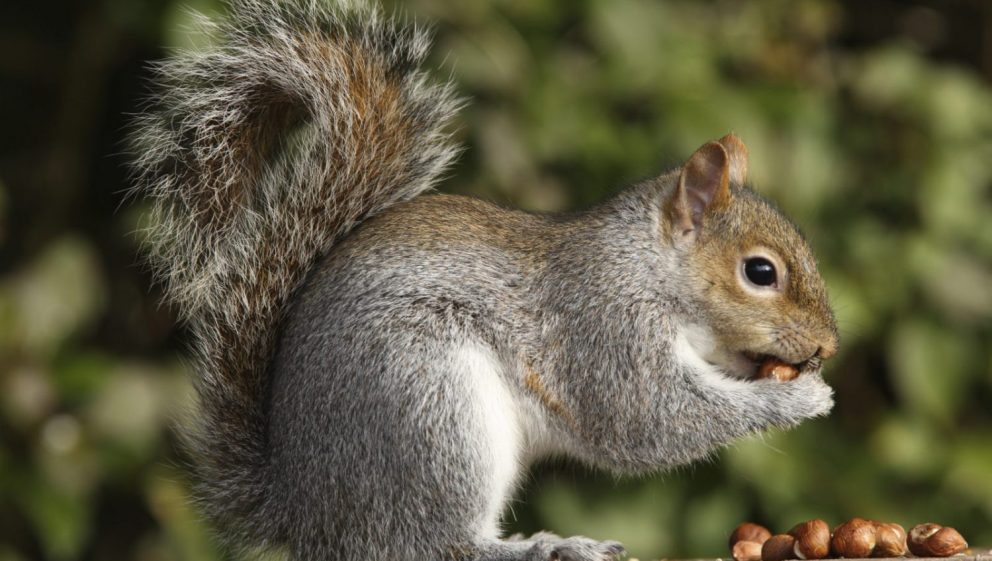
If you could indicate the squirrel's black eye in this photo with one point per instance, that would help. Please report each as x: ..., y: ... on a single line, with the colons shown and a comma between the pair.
x: 760, y: 271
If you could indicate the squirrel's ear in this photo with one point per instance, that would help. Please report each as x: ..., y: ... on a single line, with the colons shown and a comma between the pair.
x: 704, y: 184
x: 738, y: 157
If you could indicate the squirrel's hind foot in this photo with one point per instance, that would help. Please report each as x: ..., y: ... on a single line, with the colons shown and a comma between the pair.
x: 578, y: 548
x: 545, y: 546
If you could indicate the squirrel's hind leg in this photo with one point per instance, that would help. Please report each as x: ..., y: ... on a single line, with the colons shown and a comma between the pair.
x: 498, y: 425
x: 547, y: 547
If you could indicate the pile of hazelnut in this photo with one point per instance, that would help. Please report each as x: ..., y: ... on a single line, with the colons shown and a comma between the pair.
x: 855, y: 539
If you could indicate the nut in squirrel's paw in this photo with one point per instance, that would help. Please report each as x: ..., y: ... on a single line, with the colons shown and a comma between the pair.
x: 777, y: 369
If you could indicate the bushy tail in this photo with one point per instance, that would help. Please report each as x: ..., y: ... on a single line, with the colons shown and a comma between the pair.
x: 257, y: 155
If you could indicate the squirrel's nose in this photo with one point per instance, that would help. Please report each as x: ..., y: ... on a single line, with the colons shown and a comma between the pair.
x: 827, y: 349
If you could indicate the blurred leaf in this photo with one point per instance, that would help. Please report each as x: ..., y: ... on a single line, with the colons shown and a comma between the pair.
x: 959, y: 285
x: 131, y: 412
x: 889, y: 78
x: 28, y: 396
x: 55, y: 296
x: 8, y: 554
x: 764, y: 462
x: 62, y: 519
x: 491, y: 57
x: 969, y: 469
x: 908, y: 446
x: 80, y: 376
x: 930, y: 367
x: 708, y: 521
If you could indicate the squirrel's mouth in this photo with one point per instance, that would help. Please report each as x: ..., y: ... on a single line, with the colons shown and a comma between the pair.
x: 756, y: 360
x: 744, y: 364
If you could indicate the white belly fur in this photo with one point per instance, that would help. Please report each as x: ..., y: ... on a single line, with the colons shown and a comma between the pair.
x: 499, y: 417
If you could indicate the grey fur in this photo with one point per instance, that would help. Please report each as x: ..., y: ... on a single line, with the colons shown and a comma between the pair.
x: 257, y: 154
x: 384, y: 408
x: 375, y: 443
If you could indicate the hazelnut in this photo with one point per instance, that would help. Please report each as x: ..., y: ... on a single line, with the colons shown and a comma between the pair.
x: 812, y: 539
x: 750, y: 532
x: 777, y: 369
x: 854, y: 539
x: 934, y: 540
x: 890, y: 540
x: 746, y: 551
x: 778, y: 548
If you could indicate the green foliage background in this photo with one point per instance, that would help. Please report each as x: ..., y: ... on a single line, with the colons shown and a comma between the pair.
x: 870, y: 122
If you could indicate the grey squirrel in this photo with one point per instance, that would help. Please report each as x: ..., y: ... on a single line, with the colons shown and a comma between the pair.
x: 377, y: 365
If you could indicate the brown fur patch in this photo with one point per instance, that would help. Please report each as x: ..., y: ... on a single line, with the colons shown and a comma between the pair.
x: 378, y: 126
x: 533, y: 382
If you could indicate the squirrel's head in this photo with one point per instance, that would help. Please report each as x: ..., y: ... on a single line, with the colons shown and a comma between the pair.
x: 752, y: 275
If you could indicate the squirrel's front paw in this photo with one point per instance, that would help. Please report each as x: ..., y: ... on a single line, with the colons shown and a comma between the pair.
x: 578, y: 548
x: 785, y: 404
